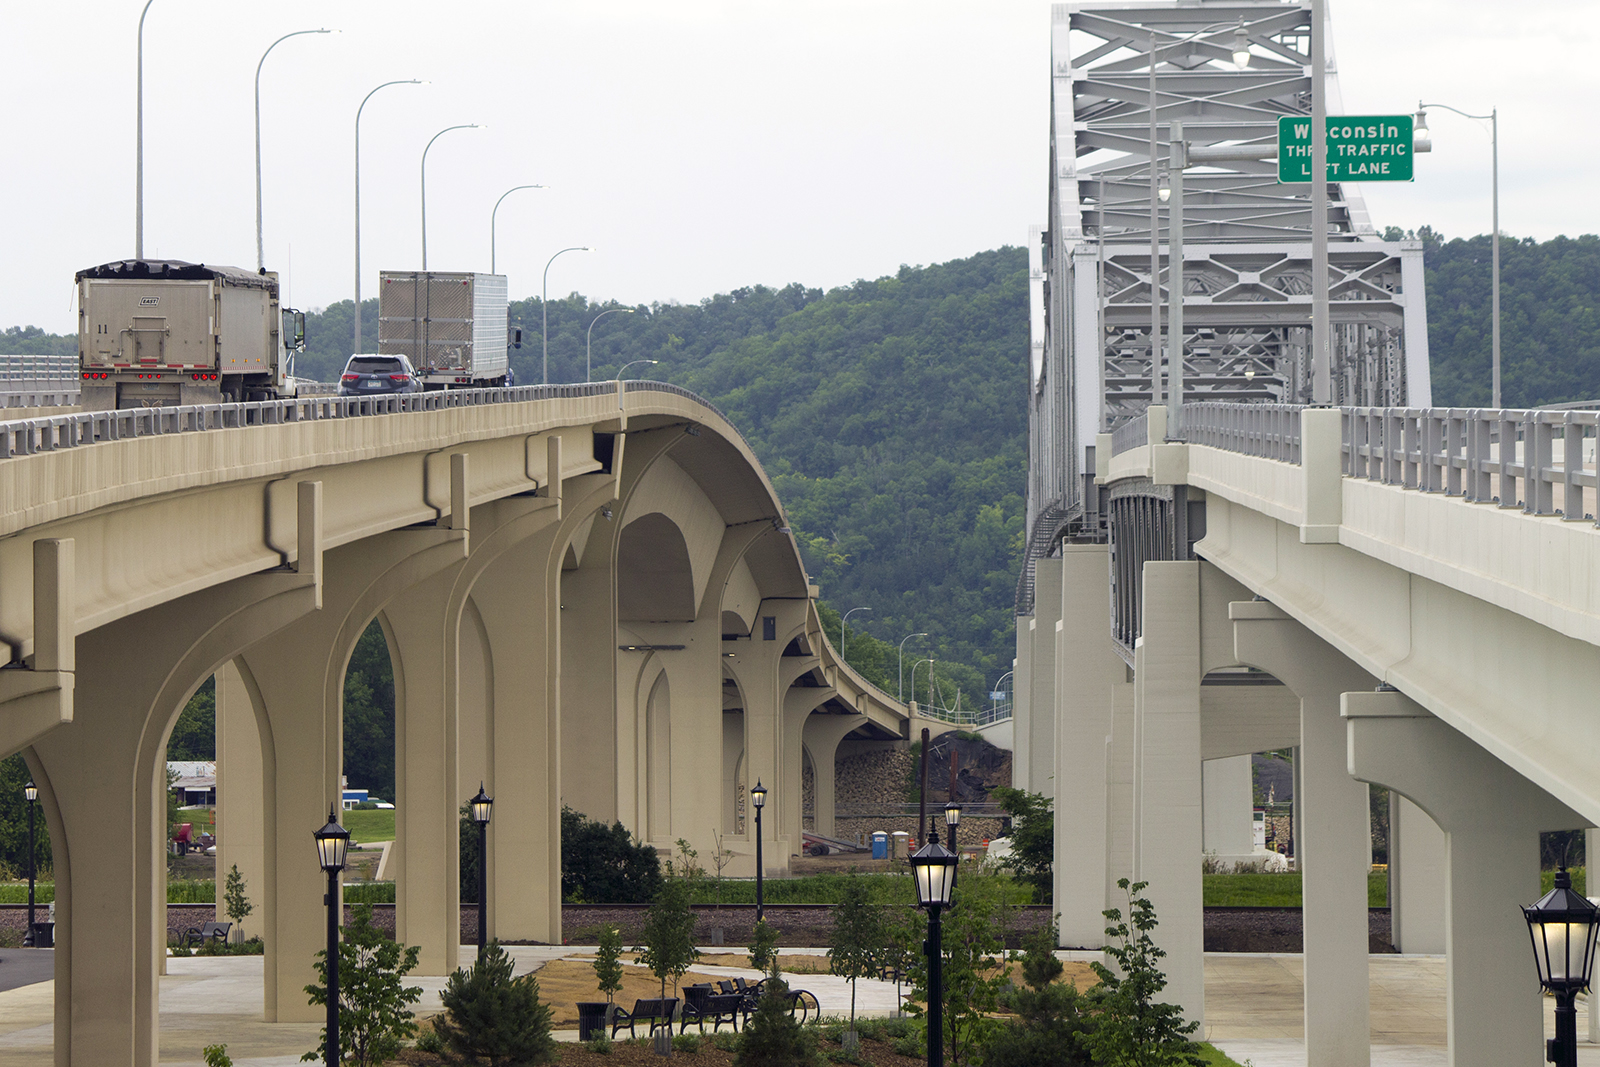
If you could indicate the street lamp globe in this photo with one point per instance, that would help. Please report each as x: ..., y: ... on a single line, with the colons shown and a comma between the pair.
x: 952, y: 817
x: 1241, y: 46
x: 758, y: 795
x: 1164, y: 188
x: 1563, y: 926
x: 332, y: 841
x: 481, y: 805
x: 934, y: 869
x: 30, y: 792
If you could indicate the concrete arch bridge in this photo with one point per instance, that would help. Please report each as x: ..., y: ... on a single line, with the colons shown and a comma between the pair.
x: 589, y: 595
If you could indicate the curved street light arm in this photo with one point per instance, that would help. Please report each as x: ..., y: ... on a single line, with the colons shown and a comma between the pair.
x: 138, y: 170
x: 492, y: 216
x: 261, y: 262
x: 435, y: 137
x: 588, y: 342
x: 900, y: 670
x: 359, y: 109
x: 544, y: 306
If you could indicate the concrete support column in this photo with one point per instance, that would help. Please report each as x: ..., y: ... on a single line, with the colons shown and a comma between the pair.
x: 1167, y: 785
x: 821, y: 736
x: 1035, y: 738
x: 1491, y: 817
x: 103, y: 781
x: 241, y: 832
x: 1229, y: 802
x: 1331, y: 837
x: 765, y: 675
x: 297, y: 677
x: 422, y: 632
x: 1119, y: 758
x: 1418, y: 862
x: 1088, y: 671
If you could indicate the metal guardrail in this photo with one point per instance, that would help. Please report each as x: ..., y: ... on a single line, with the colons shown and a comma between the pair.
x: 48, y: 433
x: 1130, y: 435
x: 28, y: 367
x: 1271, y: 431
x: 982, y: 717
x: 1535, y: 460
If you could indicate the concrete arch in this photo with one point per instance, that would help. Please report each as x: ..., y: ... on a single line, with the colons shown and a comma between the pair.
x: 655, y: 574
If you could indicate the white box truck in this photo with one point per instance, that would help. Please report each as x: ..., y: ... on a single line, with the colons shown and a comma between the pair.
x: 450, y: 324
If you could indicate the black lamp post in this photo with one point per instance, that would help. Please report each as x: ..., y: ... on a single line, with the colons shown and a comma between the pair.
x: 332, y: 841
x: 31, y: 793
x: 480, y: 815
x: 758, y: 797
x: 952, y: 822
x: 1563, y: 925
x: 934, y: 868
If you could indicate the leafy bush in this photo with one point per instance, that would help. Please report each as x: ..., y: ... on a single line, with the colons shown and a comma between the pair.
x: 607, y: 963
x: 374, y: 1009
x: 491, y: 1017
x: 727, y: 1042
x: 1033, y: 840
x: 764, y: 947
x: 603, y: 864
x: 600, y: 1044
x: 773, y: 1037
x: 217, y: 1056
x: 369, y: 893
x: 212, y: 946
x: 686, y: 1043
x: 1131, y: 1027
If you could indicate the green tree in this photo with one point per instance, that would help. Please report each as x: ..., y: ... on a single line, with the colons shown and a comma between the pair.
x: 491, y: 1017
x: 369, y: 713
x: 1132, y: 1028
x: 608, y: 963
x: 669, y: 934
x: 194, y: 735
x: 374, y: 1008
x: 764, y: 947
x: 603, y: 864
x: 1033, y: 840
x: 237, y: 906
x: 857, y: 938
x: 774, y: 1037
x: 14, y: 774
x: 975, y: 967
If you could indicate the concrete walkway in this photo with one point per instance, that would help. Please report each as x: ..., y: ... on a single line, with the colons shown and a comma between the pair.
x: 1253, y: 1009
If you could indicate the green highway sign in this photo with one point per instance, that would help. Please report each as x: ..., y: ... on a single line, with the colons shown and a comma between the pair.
x: 1361, y: 148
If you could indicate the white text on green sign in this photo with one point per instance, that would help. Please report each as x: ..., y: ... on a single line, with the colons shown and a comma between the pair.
x: 1361, y: 148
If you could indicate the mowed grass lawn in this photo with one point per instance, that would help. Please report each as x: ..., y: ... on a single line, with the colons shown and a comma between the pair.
x: 1276, y: 890
x: 369, y: 826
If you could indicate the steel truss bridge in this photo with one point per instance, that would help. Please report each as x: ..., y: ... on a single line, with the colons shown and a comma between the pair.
x: 1247, y: 278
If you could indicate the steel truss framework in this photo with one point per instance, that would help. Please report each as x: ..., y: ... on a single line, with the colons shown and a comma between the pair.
x: 1247, y: 242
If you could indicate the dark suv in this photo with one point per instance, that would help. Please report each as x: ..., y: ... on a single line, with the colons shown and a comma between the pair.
x: 369, y: 375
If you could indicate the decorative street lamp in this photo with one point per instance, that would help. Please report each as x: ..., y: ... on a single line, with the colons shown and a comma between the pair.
x: 30, y: 792
x: 758, y: 797
x: 952, y: 820
x: 332, y: 841
x: 934, y: 869
x: 1563, y: 925
x: 480, y: 815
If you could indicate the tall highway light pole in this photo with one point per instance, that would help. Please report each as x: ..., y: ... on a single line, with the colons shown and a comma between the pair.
x: 138, y: 175
x: 1238, y: 50
x: 385, y: 85
x: 1321, y: 320
x: 588, y: 342
x: 1421, y: 134
x: 544, y: 307
x: 900, y: 666
x: 435, y: 137
x: 261, y: 259
x: 842, y: 621
x: 494, y: 214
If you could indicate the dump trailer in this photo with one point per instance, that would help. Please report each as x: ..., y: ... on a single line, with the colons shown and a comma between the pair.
x: 159, y: 333
x: 450, y: 324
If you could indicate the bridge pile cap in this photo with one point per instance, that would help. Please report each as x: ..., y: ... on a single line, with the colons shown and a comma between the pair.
x: 177, y: 270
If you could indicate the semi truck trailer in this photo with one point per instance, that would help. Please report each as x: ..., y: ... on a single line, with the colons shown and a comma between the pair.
x: 451, y: 325
x: 159, y: 333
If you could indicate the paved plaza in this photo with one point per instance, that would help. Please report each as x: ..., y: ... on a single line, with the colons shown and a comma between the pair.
x: 1253, y: 1008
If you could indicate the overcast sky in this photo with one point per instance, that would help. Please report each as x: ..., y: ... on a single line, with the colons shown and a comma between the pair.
x: 699, y: 145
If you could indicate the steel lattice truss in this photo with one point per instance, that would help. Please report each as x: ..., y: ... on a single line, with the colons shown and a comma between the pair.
x: 1247, y: 256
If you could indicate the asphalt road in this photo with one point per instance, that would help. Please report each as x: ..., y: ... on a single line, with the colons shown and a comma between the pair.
x: 25, y: 966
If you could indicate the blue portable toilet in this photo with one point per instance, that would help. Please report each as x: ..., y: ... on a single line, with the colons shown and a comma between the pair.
x: 880, y: 844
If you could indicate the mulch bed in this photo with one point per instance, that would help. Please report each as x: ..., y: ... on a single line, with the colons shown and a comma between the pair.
x: 1277, y: 930
x: 630, y: 1054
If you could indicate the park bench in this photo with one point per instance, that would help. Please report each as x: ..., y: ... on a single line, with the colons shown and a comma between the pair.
x: 207, y: 932
x: 801, y: 1001
x: 657, y: 1010
x: 702, y: 1003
